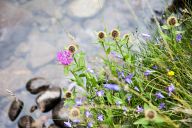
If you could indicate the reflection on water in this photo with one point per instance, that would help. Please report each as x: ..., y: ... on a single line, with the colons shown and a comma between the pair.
x: 31, y: 31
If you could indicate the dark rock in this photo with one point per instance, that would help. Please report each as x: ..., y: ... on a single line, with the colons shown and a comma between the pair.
x: 53, y: 126
x: 15, y: 109
x: 41, y: 86
x: 49, y: 99
x: 60, y: 115
x: 25, y: 122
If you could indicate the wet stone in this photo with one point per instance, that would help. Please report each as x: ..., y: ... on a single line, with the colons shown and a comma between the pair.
x: 84, y: 8
x: 40, y: 54
x: 15, y: 109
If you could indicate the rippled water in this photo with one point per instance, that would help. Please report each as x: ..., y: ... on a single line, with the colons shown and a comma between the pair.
x: 32, y: 31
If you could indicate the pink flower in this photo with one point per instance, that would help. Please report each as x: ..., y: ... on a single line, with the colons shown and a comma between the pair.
x: 64, y: 57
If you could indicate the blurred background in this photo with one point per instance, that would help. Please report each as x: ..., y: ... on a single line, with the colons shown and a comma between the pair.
x: 32, y: 31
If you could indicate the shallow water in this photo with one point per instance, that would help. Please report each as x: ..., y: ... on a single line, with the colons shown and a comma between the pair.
x: 32, y: 31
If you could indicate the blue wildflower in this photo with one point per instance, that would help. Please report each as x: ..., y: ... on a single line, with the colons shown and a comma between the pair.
x: 100, y: 93
x: 90, y: 70
x: 68, y: 124
x: 100, y: 118
x: 88, y: 114
x: 118, y: 103
x: 147, y: 72
x: 90, y: 125
x: 146, y: 36
x: 139, y: 109
x: 159, y: 95
x: 114, y: 54
x: 178, y: 37
x: 114, y: 87
x: 124, y: 108
x: 170, y: 89
x: 128, y: 78
x: 78, y: 101
x: 121, y: 74
x: 136, y: 88
x: 129, y: 98
x: 161, y: 106
x: 155, y: 67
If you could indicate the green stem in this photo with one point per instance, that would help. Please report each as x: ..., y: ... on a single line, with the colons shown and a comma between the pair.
x: 120, y: 49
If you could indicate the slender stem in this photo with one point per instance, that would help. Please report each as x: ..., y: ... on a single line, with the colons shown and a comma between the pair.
x: 120, y: 49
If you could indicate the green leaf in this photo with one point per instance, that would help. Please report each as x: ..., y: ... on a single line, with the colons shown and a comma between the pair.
x: 146, y: 106
x: 108, y: 50
x: 142, y: 121
x: 82, y: 75
x: 165, y: 27
x: 66, y: 70
x: 159, y: 119
x: 109, y: 98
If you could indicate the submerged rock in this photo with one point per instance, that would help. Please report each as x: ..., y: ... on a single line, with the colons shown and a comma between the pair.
x: 15, y: 109
x: 43, y: 85
x: 49, y: 99
x: 53, y: 126
x: 25, y: 122
x: 84, y: 8
x: 60, y: 114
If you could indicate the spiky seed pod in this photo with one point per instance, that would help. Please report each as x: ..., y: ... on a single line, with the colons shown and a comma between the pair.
x: 15, y: 109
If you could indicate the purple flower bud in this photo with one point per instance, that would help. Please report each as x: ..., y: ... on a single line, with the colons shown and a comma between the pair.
x: 159, y: 95
x: 100, y: 118
x: 128, y: 79
x: 114, y: 87
x: 100, y: 93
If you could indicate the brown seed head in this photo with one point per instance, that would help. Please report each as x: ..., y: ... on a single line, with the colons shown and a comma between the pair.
x: 115, y: 33
x: 68, y: 94
x: 150, y: 114
x: 101, y: 35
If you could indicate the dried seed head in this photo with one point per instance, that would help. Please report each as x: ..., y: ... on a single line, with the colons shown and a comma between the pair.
x: 72, y: 48
x: 150, y: 114
x: 126, y: 36
x: 172, y: 21
x: 74, y: 112
x: 68, y: 94
x: 101, y: 35
x: 115, y: 33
